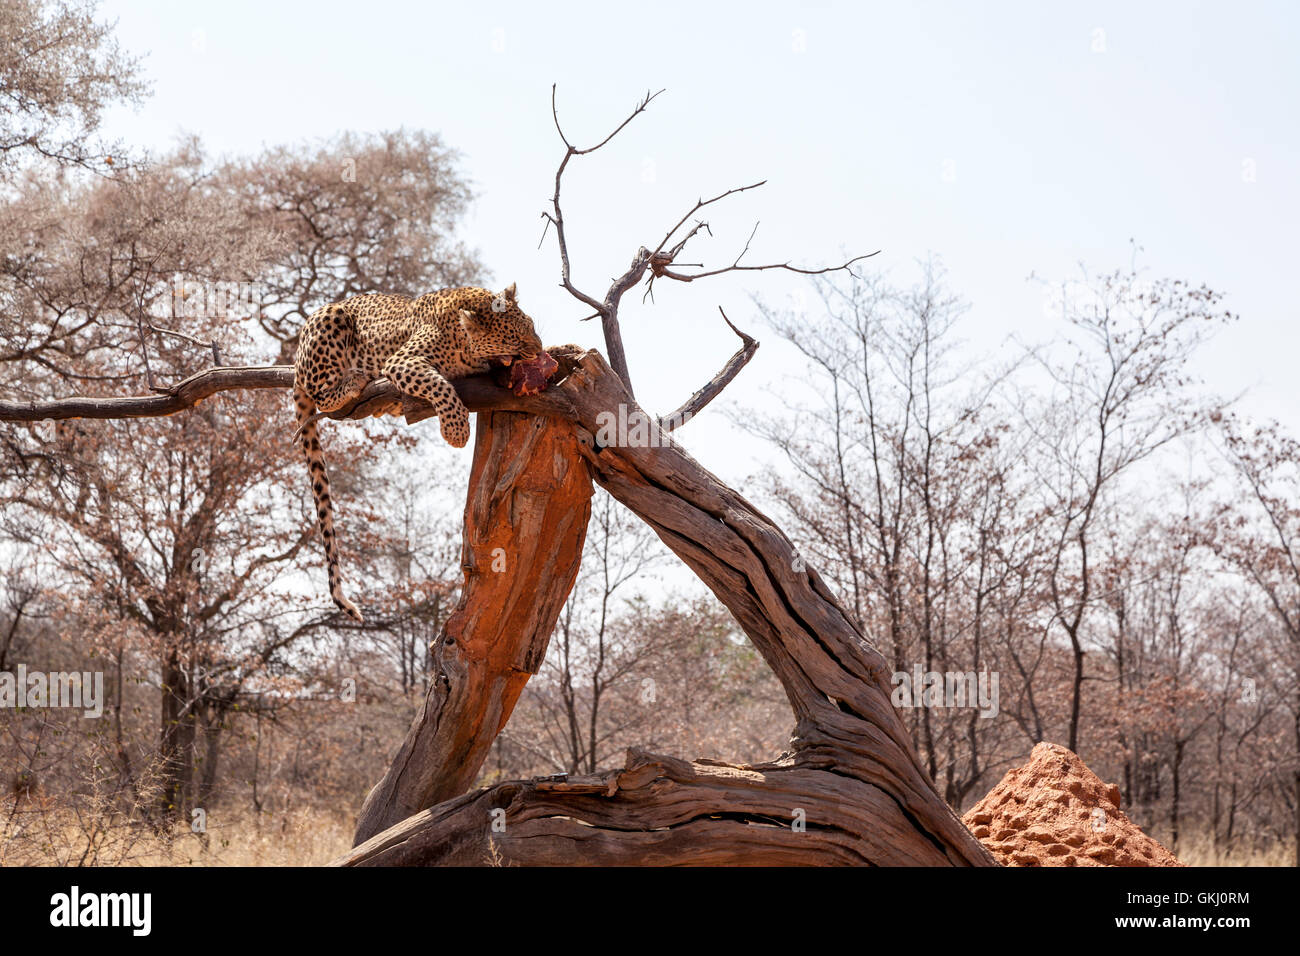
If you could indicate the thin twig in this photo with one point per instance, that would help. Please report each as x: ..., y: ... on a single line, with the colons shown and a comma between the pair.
x: 645, y: 101
x: 700, y: 204
x: 713, y: 388
x: 216, y: 349
x: 736, y: 267
x: 557, y: 218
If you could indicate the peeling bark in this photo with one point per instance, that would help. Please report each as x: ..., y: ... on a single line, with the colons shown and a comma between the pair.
x: 525, y: 523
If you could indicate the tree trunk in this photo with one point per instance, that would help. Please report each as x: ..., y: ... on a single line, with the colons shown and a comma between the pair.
x: 175, y: 737
x: 525, y: 523
x: 211, y: 758
x: 852, y: 789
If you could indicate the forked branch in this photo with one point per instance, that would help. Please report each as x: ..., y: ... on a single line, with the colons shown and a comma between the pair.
x: 659, y: 262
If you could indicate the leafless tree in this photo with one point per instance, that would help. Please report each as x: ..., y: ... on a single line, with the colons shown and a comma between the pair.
x: 1121, y: 395
x: 60, y: 69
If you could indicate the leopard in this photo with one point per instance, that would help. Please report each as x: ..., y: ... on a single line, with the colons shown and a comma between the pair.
x: 420, y: 345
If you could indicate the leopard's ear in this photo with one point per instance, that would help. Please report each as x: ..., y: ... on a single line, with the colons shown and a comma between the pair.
x: 509, y: 292
x: 471, y: 322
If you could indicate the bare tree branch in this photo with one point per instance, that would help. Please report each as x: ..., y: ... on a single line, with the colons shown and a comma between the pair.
x: 479, y: 393
x: 607, y: 310
x: 197, y: 343
x: 737, y: 267
x: 700, y: 204
x: 713, y: 388
x: 657, y: 262
x: 186, y: 394
x: 645, y: 101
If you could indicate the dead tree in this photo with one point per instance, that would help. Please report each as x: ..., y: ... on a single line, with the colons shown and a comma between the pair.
x: 850, y: 790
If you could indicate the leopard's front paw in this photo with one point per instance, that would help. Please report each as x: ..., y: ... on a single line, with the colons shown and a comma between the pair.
x: 567, y: 351
x: 455, y: 429
x: 567, y: 356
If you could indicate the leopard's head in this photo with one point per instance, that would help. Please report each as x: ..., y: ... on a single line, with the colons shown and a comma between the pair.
x: 499, y: 330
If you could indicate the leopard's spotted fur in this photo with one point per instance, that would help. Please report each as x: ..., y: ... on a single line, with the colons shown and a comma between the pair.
x: 419, y: 345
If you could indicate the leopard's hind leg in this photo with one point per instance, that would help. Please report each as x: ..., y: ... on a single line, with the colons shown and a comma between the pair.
x: 326, y: 362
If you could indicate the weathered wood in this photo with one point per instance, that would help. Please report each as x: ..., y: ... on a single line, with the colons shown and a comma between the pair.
x: 853, y: 771
x: 660, y: 811
x: 525, y: 522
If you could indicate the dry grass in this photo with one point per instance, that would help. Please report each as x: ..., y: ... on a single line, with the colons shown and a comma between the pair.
x: 294, y: 838
x: 41, y: 836
x: 1199, y: 850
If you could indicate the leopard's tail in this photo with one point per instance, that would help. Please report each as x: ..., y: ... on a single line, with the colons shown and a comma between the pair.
x: 320, y: 489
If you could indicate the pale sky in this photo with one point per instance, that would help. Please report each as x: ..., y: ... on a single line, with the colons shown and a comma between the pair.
x: 1008, y: 139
